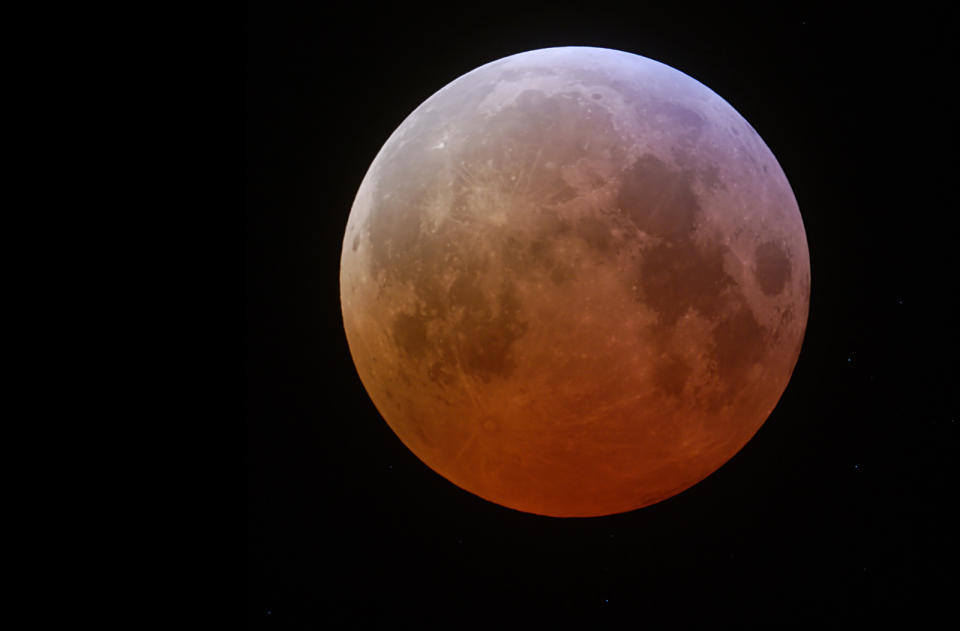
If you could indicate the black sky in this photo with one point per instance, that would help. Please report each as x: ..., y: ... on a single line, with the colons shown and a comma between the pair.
x: 840, y: 510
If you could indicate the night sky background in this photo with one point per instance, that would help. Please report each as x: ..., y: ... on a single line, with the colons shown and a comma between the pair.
x: 839, y: 511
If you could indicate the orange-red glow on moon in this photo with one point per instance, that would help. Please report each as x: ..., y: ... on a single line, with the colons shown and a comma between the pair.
x: 575, y: 281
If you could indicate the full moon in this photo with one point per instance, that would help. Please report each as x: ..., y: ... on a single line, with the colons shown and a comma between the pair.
x: 575, y: 281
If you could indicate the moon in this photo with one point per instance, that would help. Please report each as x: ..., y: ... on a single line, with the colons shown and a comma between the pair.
x: 575, y: 281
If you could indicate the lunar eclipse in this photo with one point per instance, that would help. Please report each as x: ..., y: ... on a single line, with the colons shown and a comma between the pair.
x: 575, y: 281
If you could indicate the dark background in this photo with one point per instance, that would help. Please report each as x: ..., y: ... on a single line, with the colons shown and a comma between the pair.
x: 840, y: 510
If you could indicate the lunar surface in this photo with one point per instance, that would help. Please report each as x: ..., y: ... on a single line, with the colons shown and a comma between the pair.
x: 575, y: 281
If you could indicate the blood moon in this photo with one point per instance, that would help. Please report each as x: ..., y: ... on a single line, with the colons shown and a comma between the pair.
x: 575, y: 281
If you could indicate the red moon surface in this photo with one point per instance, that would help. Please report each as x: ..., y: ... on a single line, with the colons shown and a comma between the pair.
x: 575, y: 281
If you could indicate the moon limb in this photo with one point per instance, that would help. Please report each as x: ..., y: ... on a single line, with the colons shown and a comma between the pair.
x: 563, y: 303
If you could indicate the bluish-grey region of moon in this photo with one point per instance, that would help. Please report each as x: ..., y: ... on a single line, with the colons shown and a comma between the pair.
x: 575, y: 281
